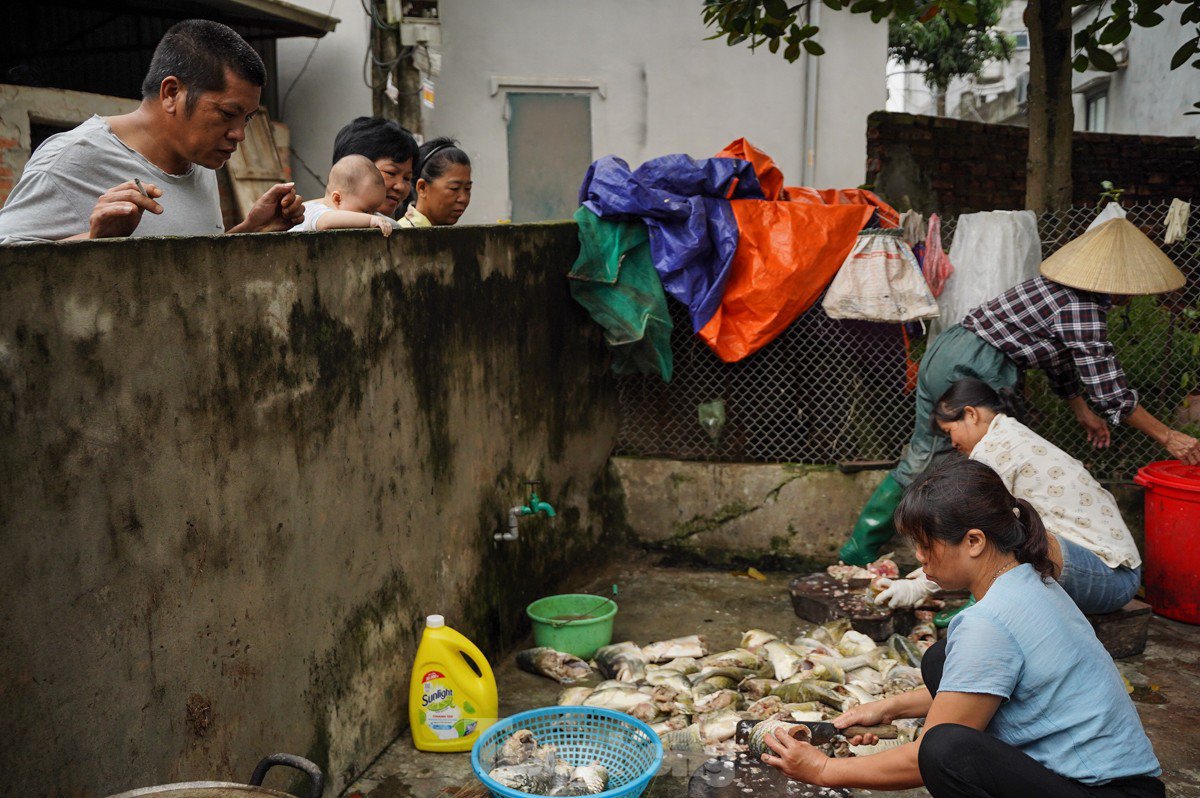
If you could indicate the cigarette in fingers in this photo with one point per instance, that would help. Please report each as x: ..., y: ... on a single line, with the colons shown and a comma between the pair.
x: 141, y: 188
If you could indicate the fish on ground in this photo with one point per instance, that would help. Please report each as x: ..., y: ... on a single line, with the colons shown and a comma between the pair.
x: 622, y: 661
x: 558, y: 665
x: 666, y: 650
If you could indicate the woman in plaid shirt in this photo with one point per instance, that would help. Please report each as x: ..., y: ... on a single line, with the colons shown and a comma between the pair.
x: 1056, y: 322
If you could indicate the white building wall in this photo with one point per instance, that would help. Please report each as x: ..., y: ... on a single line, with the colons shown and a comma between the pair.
x: 665, y: 88
x: 1147, y: 97
x: 329, y: 94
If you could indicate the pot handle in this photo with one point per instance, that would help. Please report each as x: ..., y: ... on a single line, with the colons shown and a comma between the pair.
x: 316, y: 779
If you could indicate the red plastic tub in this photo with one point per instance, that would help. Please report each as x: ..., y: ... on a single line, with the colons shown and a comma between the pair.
x: 1172, y: 571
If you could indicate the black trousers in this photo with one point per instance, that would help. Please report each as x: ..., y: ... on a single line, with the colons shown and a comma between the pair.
x: 961, y: 762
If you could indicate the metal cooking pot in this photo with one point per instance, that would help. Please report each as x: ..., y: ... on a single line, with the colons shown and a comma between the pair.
x: 228, y: 789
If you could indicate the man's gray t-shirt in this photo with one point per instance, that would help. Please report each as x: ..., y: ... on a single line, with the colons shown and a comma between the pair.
x: 57, y: 191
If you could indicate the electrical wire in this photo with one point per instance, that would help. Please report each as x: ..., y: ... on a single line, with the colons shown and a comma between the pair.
x: 304, y: 66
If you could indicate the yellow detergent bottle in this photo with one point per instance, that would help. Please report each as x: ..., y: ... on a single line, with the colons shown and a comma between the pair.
x: 452, y: 695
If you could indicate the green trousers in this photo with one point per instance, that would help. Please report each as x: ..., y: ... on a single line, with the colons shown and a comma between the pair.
x: 955, y: 354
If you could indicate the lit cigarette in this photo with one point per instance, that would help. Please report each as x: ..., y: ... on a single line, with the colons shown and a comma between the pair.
x: 141, y: 188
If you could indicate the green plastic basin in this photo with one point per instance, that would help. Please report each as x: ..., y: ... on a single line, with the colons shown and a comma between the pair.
x: 577, y: 623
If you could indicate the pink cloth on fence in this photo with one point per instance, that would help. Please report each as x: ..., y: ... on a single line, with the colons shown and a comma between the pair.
x: 937, y: 265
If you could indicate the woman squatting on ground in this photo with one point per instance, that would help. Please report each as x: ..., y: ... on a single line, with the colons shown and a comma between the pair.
x: 1020, y: 698
x: 1095, y: 558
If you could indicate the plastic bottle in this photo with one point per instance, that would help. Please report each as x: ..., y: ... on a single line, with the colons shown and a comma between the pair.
x: 452, y: 694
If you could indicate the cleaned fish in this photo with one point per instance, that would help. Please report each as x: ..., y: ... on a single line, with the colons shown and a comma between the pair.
x: 631, y: 701
x: 726, y: 671
x: 717, y: 700
x: 517, y: 749
x: 810, y: 645
x: 737, y: 658
x: 684, y: 665
x: 904, y: 650
x: 587, y: 780
x: 757, y: 688
x: 668, y: 678
x: 712, y: 685
x: 574, y: 696
x: 812, y: 690
x: 718, y: 726
x: 784, y: 659
x: 687, y: 739
x: 528, y: 777
x: 859, y: 694
x: 690, y: 646
x: 560, y: 776
x: 756, y: 638
x: 622, y: 661
x: 560, y: 666
x: 765, y: 707
x: 673, y: 723
x: 852, y: 643
x: 868, y: 679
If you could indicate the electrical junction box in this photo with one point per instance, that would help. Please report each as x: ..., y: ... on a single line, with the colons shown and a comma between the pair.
x: 423, y: 31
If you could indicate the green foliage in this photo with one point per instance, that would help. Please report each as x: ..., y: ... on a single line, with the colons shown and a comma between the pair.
x: 948, y: 48
x: 1160, y: 354
x: 1109, y: 193
x: 781, y: 25
x: 1115, y: 21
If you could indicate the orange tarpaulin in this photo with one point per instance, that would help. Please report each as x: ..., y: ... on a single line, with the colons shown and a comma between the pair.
x: 787, y: 254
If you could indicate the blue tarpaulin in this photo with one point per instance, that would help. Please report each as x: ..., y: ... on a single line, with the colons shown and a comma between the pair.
x: 684, y: 203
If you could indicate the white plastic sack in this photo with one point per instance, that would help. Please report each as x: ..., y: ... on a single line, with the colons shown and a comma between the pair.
x: 1111, y: 211
x: 880, y: 281
x: 992, y: 252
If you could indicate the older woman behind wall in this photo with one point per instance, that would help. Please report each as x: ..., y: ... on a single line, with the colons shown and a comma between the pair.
x: 443, y: 185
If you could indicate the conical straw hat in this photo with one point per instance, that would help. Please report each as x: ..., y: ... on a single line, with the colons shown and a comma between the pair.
x: 1113, y: 258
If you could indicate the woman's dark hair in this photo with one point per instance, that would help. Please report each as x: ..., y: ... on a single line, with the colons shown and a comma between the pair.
x: 436, y: 156
x: 374, y: 138
x: 970, y: 392
x: 197, y: 52
x: 959, y: 495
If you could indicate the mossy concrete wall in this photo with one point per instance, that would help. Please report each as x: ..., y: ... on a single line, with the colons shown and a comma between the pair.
x: 778, y: 515
x: 238, y: 472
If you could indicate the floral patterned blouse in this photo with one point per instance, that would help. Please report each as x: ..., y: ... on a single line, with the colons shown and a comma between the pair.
x: 1070, y: 501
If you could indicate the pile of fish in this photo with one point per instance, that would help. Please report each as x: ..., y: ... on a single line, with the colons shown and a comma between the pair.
x: 523, y: 765
x: 694, y: 700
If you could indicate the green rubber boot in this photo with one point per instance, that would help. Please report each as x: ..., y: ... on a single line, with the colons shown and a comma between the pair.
x: 943, y: 618
x: 875, y: 526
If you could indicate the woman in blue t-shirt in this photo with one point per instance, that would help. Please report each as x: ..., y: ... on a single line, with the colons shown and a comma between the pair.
x: 1025, y: 701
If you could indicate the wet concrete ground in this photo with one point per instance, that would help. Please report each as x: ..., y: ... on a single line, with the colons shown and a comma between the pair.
x: 661, y: 602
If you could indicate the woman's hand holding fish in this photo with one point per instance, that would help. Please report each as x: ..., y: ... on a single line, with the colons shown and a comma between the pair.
x: 872, y: 713
x: 797, y: 760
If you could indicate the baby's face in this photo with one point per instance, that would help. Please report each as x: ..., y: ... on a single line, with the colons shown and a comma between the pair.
x: 365, y: 200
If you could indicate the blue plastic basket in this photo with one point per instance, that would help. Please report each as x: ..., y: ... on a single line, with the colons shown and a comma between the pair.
x: 628, y: 748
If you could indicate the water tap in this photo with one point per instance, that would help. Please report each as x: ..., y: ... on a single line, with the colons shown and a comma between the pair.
x: 535, y: 505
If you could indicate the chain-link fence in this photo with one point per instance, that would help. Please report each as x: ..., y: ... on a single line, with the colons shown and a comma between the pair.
x: 830, y: 391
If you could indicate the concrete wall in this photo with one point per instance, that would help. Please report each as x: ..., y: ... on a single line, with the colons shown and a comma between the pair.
x: 771, y: 515
x: 660, y: 87
x: 237, y: 473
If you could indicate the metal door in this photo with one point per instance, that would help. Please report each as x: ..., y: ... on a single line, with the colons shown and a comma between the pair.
x: 549, y: 150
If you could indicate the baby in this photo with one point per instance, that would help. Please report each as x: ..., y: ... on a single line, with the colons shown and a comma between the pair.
x: 354, y: 191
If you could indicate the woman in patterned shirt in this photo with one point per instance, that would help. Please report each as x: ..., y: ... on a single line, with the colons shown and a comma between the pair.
x: 1095, y: 559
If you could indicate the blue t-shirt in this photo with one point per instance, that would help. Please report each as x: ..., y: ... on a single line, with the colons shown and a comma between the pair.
x: 1064, y: 703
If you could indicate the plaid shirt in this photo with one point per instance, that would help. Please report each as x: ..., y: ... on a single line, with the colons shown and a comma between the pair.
x: 1063, y: 331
